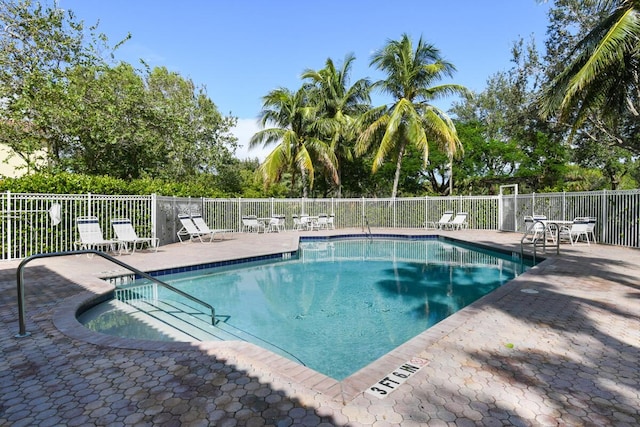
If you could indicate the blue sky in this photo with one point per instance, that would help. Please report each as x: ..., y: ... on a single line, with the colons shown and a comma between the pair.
x: 240, y: 50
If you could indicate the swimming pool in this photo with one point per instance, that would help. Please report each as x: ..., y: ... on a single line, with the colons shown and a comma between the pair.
x: 342, y: 303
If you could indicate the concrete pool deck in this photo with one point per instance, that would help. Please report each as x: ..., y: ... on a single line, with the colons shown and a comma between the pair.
x: 559, y: 345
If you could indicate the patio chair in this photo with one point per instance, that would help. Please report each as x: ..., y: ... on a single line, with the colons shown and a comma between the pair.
x: 303, y: 222
x: 579, y: 228
x: 330, y: 224
x: 126, y: 235
x: 276, y: 224
x: 306, y: 222
x: 321, y: 223
x: 91, y: 236
x: 444, y: 220
x: 591, y: 228
x: 459, y: 222
x: 204, y: 228
x: 190, y: 230
x: 250, y: 223
x: 297, y: 223
x: 534, y: 230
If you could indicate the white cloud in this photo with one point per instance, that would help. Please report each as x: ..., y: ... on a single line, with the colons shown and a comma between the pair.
x: 244, y: 130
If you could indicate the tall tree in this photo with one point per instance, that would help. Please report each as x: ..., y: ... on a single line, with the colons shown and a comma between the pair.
x: 597, y: 141
x: 38, y: 46
x: 600, y: 81
x: 194, y: 136
x: 411, y: 119
x: 292, y: 118
x: 62, y: 99
x: 522, y: 147
x: 106, y: 124
x: 339, y: 104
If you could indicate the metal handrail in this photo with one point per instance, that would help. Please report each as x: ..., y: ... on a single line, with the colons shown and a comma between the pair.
x: 366, y: 221
x: 554, y: 228
x: 20, y: 283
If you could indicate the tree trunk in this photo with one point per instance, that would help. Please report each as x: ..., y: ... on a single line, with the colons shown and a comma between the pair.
x: 305, y: 185
x: 396, y: 178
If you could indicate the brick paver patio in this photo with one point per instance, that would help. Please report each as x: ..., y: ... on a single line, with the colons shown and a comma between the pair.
x: 559, y: 345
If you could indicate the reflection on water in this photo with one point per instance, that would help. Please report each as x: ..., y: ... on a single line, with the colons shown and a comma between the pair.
x: 342, y: 304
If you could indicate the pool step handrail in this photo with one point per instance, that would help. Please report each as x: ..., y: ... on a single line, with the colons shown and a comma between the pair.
x: 20, y: 283
x: 223, y: 331
x: 554, y: 232
x: 368, y: 233
x: 175, y: 314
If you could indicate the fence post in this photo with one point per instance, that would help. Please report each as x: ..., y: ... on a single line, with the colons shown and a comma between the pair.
x: 426, y: 211
x: 394, y: 204
x: 605, y: 219
x: 154, y: 219
x: 9, y: 224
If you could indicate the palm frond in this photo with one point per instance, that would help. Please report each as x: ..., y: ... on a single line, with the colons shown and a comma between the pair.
x: 367, y: 137
x: 619, y: 40
x: 442, y: 128
x: 266, y: 137
x: 274, y: 165
x: 304, y: 164
x: 597, y: 59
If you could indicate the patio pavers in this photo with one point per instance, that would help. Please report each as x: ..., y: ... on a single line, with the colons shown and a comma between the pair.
x: 559, y: 345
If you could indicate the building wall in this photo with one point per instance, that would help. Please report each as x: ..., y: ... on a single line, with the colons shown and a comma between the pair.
x: 11, y: 166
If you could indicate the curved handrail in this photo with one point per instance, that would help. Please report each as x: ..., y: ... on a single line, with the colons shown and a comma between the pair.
x: 554, y: 229
x: 20, y: 283
x: 366, y: 221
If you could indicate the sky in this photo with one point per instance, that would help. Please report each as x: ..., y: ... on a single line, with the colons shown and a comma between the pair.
x: 240, y: 50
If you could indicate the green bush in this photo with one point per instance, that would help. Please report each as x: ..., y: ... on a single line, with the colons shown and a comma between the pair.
x: 72, y: 183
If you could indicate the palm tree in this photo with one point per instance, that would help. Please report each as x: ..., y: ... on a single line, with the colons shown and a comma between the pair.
x: 602, y: 71
x: 292, y: 117
x: 411, y: 119
x: 339, y: 105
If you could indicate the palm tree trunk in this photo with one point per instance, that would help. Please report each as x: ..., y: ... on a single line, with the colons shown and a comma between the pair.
x: 305, y: 186
x: 396, y: 178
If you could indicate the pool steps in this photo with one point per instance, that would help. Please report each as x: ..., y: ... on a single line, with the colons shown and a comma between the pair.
x: 185, y: 323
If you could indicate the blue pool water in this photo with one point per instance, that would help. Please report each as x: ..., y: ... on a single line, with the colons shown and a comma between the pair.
x: 339, y: 305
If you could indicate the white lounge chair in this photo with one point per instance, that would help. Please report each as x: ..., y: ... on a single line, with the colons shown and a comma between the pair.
x: 91, y: 236
x: 458, y: 222
x: 126, y: 235
x: 204, y: 228
x: 444, y: 220
x: 190, y: 231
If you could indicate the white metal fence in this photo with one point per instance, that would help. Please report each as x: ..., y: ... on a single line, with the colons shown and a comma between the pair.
x: 42, y: 223
x: 617, y: 212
